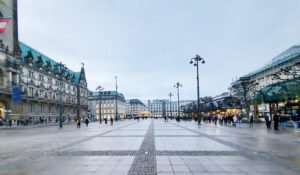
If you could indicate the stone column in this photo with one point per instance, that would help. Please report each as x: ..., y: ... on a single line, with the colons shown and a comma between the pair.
x: 9, y: 79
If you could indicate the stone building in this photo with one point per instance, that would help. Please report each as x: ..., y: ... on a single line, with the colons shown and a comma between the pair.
x: 136, y: 108
x: 39, y: 79
x: 112, y: 105
x: 160, y: 106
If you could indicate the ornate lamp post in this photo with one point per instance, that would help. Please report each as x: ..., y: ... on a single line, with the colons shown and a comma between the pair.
x: 196, y: 61
x: 100, y: 89
x: 116, y: 78
x: 178, y: 85
x: 61, y: 73
x: 170, y: 95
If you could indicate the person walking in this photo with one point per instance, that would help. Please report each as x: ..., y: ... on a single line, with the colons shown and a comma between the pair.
x: 111, y: 121
x: 240, y: 119
x: 216, y: 119
x: 105, y: 120
x: 78, y: 123
x: 251, y: 121
x: 295, y: 120
x: 235, y: 120
x: 87, y: 122
x: 268, y: 120
x: 276, y: 121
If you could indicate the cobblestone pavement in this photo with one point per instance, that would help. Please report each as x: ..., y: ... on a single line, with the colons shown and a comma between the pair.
x: 149, y: 147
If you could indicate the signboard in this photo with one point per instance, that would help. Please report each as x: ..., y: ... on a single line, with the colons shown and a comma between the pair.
x: 16, y: 95
x: 3, y: 24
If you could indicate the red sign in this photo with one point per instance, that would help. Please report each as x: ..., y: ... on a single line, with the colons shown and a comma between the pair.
x: 3, y: 24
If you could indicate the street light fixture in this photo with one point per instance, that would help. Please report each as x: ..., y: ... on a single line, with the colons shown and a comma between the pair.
x: 100, y: 89
x: 178, y: 85
x: 196, y: 61
x: 61, y: 72
x: 116, y: 79
x: 170, y: 95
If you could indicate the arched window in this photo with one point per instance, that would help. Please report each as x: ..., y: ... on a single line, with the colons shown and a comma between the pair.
x: 1, y: 79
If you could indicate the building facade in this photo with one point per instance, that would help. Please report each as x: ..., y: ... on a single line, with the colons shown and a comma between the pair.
x: 110, y: 104
x: 136, y: 108
x: 159, y: 107
x: 43, y: 83
x: 264, y: 76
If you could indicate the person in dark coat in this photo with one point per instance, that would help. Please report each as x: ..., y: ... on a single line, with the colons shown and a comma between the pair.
x: 111, y: 121
x: 268, y: 120
x: 251, y: 121
x: 87, y: 122
x: 276, y: 121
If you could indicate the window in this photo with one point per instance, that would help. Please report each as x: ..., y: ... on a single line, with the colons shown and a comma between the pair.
x: 42, y: 109
x: 30, y: 74
x: 31, y: 108
x: 41, y: 77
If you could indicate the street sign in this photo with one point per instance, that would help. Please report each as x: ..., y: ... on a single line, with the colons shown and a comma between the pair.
x: 16, y: 95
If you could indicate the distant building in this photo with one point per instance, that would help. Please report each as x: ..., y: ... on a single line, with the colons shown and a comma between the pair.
x: 160, y: 106
x: 136, y: 108
x: 108, y: 105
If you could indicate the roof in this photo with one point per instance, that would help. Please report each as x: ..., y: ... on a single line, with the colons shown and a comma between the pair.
x: 96, y: 93
x: 136, y: 101
x: 25, y: 49
x: 288, y: 54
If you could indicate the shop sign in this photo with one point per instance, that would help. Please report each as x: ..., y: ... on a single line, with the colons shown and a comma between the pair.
x: 3, y: 24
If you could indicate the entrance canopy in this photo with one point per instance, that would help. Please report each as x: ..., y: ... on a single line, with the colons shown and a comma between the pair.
x: 278, y: 92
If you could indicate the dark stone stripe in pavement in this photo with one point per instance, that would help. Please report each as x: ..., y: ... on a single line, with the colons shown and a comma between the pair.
x: 157, y: 153
x: 198, y: 153
x: 145, y: 163
x: 246, y: 152
x: 123, y: 136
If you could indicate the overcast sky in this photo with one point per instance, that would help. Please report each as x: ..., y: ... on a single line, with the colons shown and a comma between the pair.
x: 148, y: 43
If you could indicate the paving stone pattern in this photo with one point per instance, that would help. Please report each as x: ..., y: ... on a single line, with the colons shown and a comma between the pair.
x: 147, y: 147
x: 145, y: 163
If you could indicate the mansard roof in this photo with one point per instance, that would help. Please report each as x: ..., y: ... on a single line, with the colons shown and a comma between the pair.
x: 25, y: 49
x: 287, y: 55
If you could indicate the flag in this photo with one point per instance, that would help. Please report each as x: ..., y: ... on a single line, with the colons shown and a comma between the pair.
x: 16, y: 95
x: 3, y: 24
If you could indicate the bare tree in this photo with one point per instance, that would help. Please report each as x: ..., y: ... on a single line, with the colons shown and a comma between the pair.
x: 288, y: 73
x: 243, y: 89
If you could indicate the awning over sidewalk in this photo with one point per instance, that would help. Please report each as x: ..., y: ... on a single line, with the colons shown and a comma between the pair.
x: 278, y: 92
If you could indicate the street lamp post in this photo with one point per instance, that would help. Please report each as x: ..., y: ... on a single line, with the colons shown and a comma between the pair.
x: 196, y: 61
x: 100, y: 89
x: 178, y: 85
x: 116, y: 78
x: 61, y: 72
x: 170, y: 95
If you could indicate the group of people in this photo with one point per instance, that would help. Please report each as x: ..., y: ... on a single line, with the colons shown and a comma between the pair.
x: 282, y: 120
x: 224, y: 119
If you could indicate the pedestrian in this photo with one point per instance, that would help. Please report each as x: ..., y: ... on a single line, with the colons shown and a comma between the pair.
x: 78, y: 123
x: 111, y: 121
x: 216, y: 119
x: 240, y: 119
x: 105, y: 120
x: 268, y: 120
x: 295, y: 120
x: 276, y: 120
x: 251, y: 121
x: 235, y: 120
x: 86, y: 122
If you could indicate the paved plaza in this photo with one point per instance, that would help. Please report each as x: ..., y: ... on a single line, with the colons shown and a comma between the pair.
x: 150, y: 146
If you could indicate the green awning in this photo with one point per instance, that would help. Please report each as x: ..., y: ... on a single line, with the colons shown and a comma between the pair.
x: 278, y: 92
